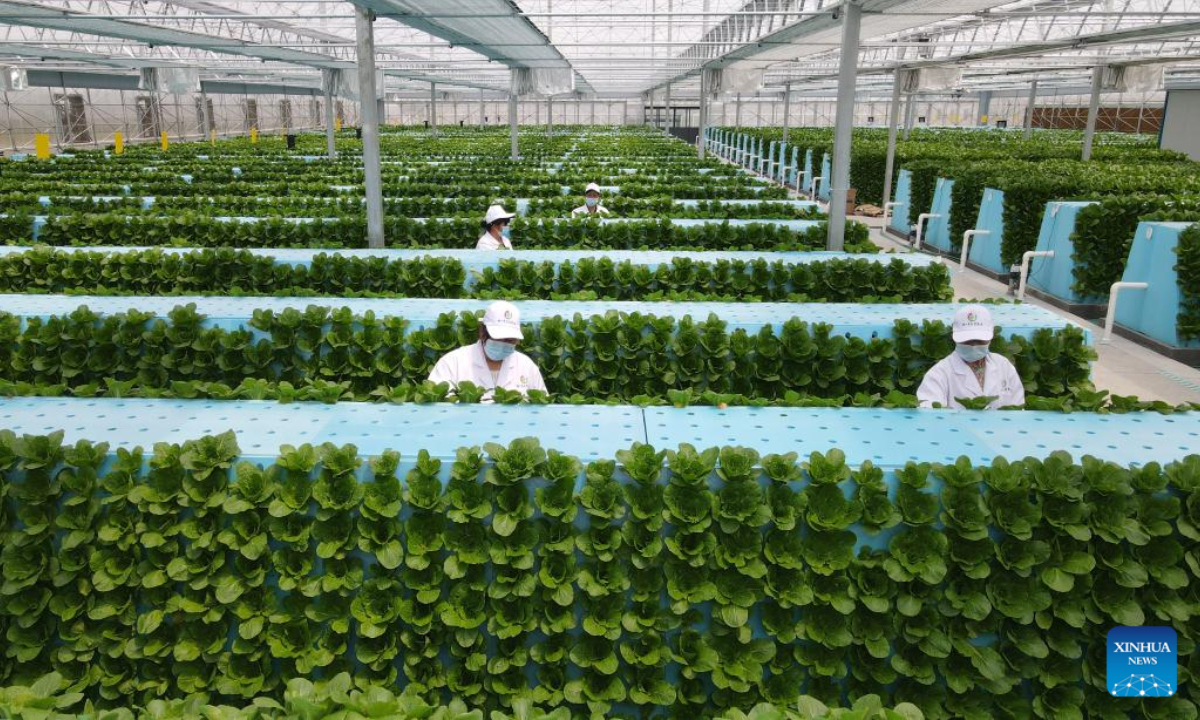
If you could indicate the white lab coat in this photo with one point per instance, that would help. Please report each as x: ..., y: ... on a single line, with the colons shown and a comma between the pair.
x: 517, y: 372
x: 487, y: 242
x: 952, y: 378
x: 582, y: 210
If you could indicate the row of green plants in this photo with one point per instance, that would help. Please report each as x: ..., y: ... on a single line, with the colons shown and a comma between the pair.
x: 349, y: 231
x: 426, y: 207
x: 50, y: 698
x: 226, y: 271
x: 615, y: 356
x: 687, y: 582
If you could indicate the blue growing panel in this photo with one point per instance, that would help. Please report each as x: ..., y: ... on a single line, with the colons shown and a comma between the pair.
x: 827, y: 178
x: 985, y: 249
x: 589, y: 432
x: 793, y: 225
x: 1154, y: 312
x: 937, y: 229
x: 887, y: 438
x: 1054, y: 276
x: 892, y: 438
x: 850, y: 319
x: 900, y: 218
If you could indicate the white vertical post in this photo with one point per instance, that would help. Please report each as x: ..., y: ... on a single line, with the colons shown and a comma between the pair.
x: 1089, y: 134
x: 703, y: 113
x: 985, y: 108
x: 844, y: 123
x: 330, y: 113
x: 668, y: 104
x: 369, y: 108
x: 893, y: 120
x: 433, y: 109
x: 787, y: 109
x: 737, y: 114
x: 1029, y: 109
x: 910, y: 113
x: 549, y: 115
x: 512, y: 124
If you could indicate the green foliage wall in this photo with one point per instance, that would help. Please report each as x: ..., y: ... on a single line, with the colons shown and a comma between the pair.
x: 612, y: 356
x: 1104, y: 233
x: 639, y: 581
x: 1188, y: 269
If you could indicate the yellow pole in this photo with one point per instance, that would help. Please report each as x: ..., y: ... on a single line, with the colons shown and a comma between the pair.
x: 118, y: 143
x: 212, y: 137
x: 337, y: 124
x: 254, y: 135
x: 41, y: 146
x: 164, y: 142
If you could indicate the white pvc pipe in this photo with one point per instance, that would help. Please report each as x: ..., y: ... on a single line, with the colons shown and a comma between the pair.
x: 1110, y: 317
x: 966, y: 247
x: 921, y: 227
x: 812, y: 190
x: 1029, y: 254
x: 886, y: 207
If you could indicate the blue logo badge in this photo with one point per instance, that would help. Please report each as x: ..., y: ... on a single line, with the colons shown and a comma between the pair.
x: 1142, y: 662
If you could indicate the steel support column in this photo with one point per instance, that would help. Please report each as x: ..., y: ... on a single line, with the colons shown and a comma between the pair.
x: 512, y: 124
x: 433, y: 109
x: 893, y: 123
x: 369, y: 108
x: 330, y: 111
x: 787, y: 109
x: 702, y: 138
x: 1089, y: 133
x: 985, y: 108
x: 910, y: 113
x: 668, y: 104
x: 851, y: 11
x: 1029, y: 109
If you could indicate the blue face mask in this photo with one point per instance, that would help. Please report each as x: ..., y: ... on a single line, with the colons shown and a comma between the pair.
x: 591, y: 202
x: 972, y: 353
x: 498, y: 351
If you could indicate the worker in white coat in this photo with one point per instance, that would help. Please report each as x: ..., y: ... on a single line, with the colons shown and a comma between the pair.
x: 591, y: 206
x: 496, y: 233
x: 493, y: 361
x: 972, y: 371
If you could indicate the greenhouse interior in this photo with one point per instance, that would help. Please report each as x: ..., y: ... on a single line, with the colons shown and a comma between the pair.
x: 520, y: 359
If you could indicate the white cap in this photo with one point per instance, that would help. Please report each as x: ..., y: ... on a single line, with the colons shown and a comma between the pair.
x: 973, y: 322
x: 503, y: 321
x: 496, y: 212
x: 590, y: 187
